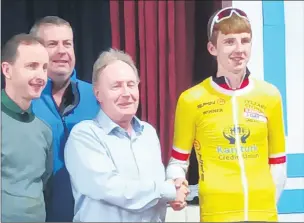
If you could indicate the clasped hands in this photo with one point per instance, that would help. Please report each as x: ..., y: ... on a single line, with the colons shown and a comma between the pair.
x: 182, y: 191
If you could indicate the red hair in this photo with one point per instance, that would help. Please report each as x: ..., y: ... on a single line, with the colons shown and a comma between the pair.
x: 234, y: 24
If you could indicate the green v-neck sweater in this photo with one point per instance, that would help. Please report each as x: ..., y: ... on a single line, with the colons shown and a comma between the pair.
x: 26, y: 163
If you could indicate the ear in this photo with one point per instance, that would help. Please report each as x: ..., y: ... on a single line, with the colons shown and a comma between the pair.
x: 212, y: 49
x: 6, y: 69
x: 97, y: 93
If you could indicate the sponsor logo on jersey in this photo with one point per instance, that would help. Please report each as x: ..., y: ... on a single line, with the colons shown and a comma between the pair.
x: 197, y: 147
x: 231, y: 157
x: 212, y: 111
x: 248, y: 152
x: 219, y: 101
x: 249, y: 104
x: 232, y: 131
x: 196, y: 144
x: 231, y: 153
x: 206, y: 104
x: 253, y: 114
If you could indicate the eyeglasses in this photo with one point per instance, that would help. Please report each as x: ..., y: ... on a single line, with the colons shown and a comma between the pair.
x: 226, y: 13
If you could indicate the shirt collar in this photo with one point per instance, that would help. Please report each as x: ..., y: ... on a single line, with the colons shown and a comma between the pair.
x: 12, y: 106
x: 108, y: 125
x: 222, y: 82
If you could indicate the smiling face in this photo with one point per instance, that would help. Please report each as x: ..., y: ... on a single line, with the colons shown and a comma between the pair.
x: 231, y: 44
x: 117, y: 91
x: 27, y: 75
x: 232, y: 51
x: 58, y: 40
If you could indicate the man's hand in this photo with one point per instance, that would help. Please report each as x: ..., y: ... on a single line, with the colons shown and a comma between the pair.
x: 182, y: 192
x: 180, y: 181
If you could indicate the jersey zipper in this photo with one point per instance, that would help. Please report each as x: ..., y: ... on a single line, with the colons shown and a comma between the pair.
x: 240, y: 156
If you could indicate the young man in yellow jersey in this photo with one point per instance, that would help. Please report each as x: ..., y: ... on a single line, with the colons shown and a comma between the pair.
x: 235, y: 124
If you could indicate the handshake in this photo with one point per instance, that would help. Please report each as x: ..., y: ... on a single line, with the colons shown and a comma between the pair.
x: 182, y: 191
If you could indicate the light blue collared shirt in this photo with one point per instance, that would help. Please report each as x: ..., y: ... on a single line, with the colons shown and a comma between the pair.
x: 116, y: 177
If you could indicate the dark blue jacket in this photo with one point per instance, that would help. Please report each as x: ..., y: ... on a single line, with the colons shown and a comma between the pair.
x: 61, y: 204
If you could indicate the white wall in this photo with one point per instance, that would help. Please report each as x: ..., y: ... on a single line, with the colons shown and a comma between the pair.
x: 294, y: 34
x: 294, y: 47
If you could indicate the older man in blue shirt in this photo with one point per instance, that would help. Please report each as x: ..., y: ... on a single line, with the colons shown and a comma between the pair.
x: 114, y: 161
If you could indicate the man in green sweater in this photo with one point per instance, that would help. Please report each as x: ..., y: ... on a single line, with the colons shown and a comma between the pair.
x: 26, y: 155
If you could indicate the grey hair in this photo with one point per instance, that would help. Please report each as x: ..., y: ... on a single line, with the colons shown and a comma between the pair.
x: 108, y: 57
x: 51, y: 20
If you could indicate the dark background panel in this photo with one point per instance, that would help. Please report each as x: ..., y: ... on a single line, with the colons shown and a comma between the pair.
x: 90, y: 20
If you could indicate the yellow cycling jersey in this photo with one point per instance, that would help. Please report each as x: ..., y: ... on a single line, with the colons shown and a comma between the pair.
x: 236, y: 135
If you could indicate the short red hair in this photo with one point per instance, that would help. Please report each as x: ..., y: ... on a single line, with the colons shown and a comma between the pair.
x: 234, y: 24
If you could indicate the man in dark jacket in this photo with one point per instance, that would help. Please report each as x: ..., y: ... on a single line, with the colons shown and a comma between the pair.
x: 64, y: 102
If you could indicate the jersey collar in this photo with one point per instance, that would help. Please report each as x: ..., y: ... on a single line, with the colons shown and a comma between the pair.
x: 221, y: 85
x: 223, y: 82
